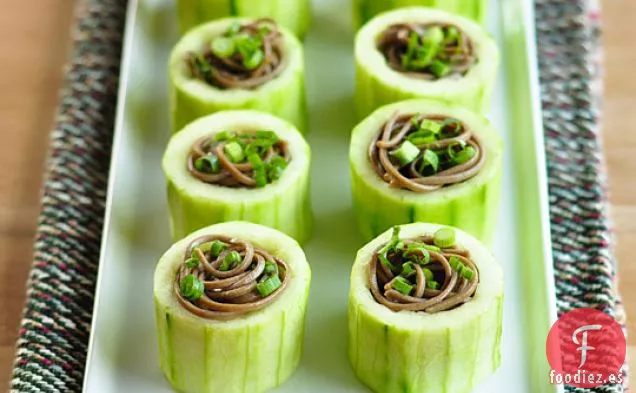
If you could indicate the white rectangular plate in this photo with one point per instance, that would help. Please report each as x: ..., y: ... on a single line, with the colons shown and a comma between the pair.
x: 123, y: 348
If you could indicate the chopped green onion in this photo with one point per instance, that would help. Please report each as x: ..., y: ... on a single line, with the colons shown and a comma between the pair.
x: 192, y: 287
x: 235, y: 152
x: 461, y: 156
x: 406, y: 153
x: 192, y: 263
x: 421, y: 137
x: 223, y: 47
x: 429, y: 158
x: 451, y: 34
x: 256, y: 161
x: 385, y: 261
x: 411, y: 47
x: 264, y: 30
x: 431, y: 125
x: 254, y: 60
x: 451, y: 122
x: 230, y: 260
x: 423, y: 258
x: 217, y: 248
x: 431, y: 247
x: 203, y: 66
x: 267, y: 135
x: 208, y: 164
x: 414, y: 120
x: 432, y: 284
x: 467, y: 273
x: 402, y: 285
x: 439, y: 68
x: 224, y: 136
x: 271, y: 267
x: 455, y: 262
x: 234, y: 29
x: 260, y: 175
x: 408, y: 269
x: 434, y: 35
x: 428, y: 274
x: 444, y: 237
x: 267, y: 287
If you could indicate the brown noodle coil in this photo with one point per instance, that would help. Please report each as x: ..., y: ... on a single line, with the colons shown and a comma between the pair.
x: 230, y: 73
x: 229, y: 293
x: 395, y: 132
x: 455, y: 291
x: 232, y: 174
x: 394, y: 42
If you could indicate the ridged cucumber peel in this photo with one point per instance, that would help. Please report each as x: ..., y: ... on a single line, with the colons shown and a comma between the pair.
x: 364, y: 10
x: 283, y: 204
x: 447, y: 352
x: 284, y: 96
x: 472, y: 205
x: 251, y: 353
x: 295, y: 15
x: 377, y: 84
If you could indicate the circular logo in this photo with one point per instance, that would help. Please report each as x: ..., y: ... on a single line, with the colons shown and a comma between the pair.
x: 586, y: 349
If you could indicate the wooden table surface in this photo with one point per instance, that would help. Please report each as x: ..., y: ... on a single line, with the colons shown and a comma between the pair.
x: 34, y: 45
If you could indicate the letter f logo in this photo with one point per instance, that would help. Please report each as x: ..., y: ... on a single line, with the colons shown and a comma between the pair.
x: 584, y: 347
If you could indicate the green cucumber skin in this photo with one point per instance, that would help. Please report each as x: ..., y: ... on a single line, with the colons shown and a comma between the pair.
x: 363, y: 10
x: 293, y: 14
x: 289, y: 212
x: 372, y: 93
x: 253, y: 359
x: 376, y: 211
x: 288, y: 103
x: 390, y: 360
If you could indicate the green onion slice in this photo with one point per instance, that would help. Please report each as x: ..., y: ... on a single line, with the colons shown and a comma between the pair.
x: 268, y: 286
x: 444, y: 237
x: 433, y: 35
x: 432, y: 284
x: 254, y: 60
x: 406, y: 153
x: 192, y: 287
x: 271, y: 268
x: 402, y: 285
x: 192, y: 263
x: 230, y: 260
x: 223, y: 47
x: 431, y: 125
x: 462, y: 154
x: 408, y: 269
x: 208, y: 164
x: 429, y: 159
x: 235, y: 152
x: 439, y: 68
x: 217, y: 247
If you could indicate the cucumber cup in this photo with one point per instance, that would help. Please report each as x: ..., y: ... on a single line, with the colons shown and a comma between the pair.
x: 295, y: 15
x: 425, y: 161
x: 407, y: 331
x: 239, y: 165
x: 419, y: 52
x: 363, y: 10
x: 237, y: 64
x: 230, y: 305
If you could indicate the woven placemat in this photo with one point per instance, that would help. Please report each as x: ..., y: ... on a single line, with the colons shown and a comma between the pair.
x: 54, y: 333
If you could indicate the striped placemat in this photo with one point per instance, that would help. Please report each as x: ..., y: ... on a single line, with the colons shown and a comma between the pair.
x: 53, y: 337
